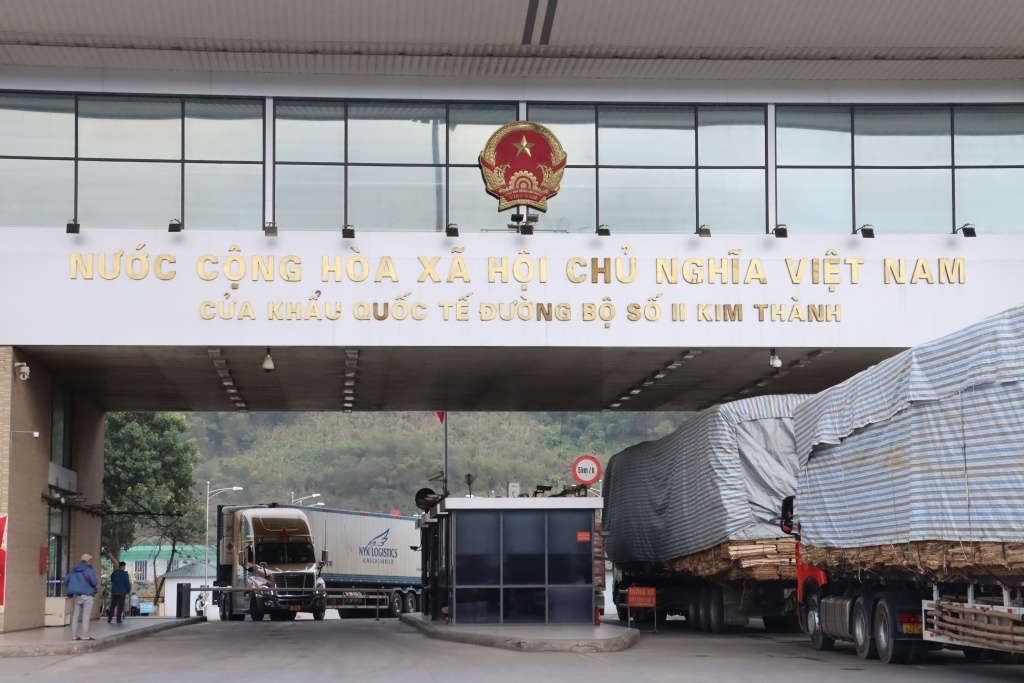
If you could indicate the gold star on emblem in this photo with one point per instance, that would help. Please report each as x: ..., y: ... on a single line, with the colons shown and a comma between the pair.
x: 523, y: 146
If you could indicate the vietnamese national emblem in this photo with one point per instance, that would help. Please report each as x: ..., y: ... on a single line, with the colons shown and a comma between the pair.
x: 523, y: 164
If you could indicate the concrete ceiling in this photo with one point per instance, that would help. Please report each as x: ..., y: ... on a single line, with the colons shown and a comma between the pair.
x: 448, y: 378
x: 663, y: 39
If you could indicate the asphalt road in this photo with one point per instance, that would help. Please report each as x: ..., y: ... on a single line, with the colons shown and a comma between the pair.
x: 386, y: 650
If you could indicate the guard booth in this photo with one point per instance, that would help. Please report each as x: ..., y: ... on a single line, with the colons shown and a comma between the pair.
x: 509, y: 560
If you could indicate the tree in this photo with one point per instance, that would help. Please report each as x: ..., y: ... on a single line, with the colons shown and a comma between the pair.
x: 148, y: 478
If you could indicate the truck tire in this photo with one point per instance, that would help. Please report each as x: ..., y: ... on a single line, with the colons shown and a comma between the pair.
x: 222, y: 611
x: 703, y: 613
x: 716, y: 610
x: 890, y: 650
x: 319, y: 614
x: 1000, y: 657
x: 693, y: 610
x: 395, y: 604
x: 256, y: 609
x: 411, y: 603
x: 289, y: 616
x: 622, y: 613
x: 863, y: 640
x: 819, y: 639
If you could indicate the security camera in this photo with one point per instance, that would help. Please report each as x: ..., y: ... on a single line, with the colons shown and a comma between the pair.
x: 23, y: 371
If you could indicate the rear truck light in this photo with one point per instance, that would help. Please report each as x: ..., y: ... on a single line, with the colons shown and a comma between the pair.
x: 910, y: 618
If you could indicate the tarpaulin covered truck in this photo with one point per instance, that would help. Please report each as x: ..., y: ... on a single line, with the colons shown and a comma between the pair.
x: 909, y: 505
x: 374, y: 561
x: 694, y: 515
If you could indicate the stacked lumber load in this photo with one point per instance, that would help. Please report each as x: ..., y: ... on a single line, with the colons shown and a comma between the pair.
x: 977, y: 624
x: 940, y: 560
x: 706, y: 497
x: 762, y: 560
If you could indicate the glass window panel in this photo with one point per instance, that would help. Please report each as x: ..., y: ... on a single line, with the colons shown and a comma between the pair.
x: 477, y: 552
x: 523, y: 551
x: 478, y: 606
x: 815, y: 200
x: 396, y: 133
x: 646, y: 136
x: 36, y: 193
x: 310, y: 131
x: 309, y: 197
x: 989, y: 135
x: 570, y: 561
x: 469, y: 205
x: 570, y: 605
x: 901, y: 136
x: 905, y: 201
x: 648, y: 200
x: 224, y: 196
x: 732, y: 200
x: 574, y: 208
x: 396, y: 198
x: 129, y: 127
x: 573, y: 125
x: 37, y: 125
x: 524, y: 606
x: 990, y: 199
x: 471, y: 125
x: 730, y: 136
x: 118, y: 194
x: 813, y: 136
x: 224, y: 130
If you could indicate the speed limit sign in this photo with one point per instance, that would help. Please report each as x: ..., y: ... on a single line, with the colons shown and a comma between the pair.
x: 586, y: 470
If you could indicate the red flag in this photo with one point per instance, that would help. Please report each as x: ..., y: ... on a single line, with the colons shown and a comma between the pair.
x: 440, y: 416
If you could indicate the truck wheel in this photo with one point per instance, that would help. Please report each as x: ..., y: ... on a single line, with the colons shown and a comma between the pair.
x: 411, y: 603
x: 395, y: 604
x: 255, y: 609
x: 999, y: 657
x: 890, y: 650
x: 863, y: 641
x: 319, y: 614
x: 622, y: 613
x: 703, y: 611
x: 222, y: 609
x: 715, y: 610
x: 693, y: 610
x: 819, y: 640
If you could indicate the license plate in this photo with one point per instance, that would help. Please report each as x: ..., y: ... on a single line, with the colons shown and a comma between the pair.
x: 913, y: 628
x: 295, y: 608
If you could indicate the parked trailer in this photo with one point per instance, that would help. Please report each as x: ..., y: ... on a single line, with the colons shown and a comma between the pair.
x: 694, y: 515
x: 374, y: 561
x: 908, y: 508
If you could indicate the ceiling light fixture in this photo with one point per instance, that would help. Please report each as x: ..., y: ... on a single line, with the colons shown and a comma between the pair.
x: 268, y: 362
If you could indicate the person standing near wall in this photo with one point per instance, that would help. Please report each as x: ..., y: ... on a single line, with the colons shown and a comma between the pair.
x: 120, y: 586
x: 134, y: 603
x: 81, y: 583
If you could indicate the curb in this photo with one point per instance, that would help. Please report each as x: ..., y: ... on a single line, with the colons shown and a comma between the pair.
x: 75, y: 647
x: 519, y: 644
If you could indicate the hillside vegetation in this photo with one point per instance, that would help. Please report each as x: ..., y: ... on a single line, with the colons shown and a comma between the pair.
x: 377, y: 461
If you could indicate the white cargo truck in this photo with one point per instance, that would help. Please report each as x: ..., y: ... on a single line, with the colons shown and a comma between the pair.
x: 374, y: 561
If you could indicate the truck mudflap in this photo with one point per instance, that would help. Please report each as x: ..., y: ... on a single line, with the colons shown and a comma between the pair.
x: 992, y: 627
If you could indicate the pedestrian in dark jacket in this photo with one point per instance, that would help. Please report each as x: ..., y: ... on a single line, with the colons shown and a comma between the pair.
x: 81, y: 584
x: 120, y: 586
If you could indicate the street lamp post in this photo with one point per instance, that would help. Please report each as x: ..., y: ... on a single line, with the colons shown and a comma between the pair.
x: 206, y: 546
x: 299, y: 500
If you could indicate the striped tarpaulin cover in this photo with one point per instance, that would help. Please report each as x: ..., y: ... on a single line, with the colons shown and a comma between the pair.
x: 719, y: 477
x: 928, y: 445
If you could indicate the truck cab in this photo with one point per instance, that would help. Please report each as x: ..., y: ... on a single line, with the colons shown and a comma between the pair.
x: 268, y: 550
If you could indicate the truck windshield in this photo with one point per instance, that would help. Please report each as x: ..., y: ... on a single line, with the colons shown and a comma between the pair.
x: 284, y: 553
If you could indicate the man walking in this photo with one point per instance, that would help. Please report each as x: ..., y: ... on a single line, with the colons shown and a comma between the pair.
x: 81, y: 584
x: 120, y: 586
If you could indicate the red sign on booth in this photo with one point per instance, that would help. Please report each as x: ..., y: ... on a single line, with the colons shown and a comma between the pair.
x: 641, y: 596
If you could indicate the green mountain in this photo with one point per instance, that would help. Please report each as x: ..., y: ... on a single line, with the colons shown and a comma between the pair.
x: 377, y: 461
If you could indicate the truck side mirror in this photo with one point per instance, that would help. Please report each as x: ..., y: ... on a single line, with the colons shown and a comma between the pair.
x: 323, y: 557
x: 248, y: 555
x: 786, y: 517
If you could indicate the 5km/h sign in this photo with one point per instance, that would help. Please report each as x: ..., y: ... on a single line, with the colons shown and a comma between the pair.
x: 586, y: 470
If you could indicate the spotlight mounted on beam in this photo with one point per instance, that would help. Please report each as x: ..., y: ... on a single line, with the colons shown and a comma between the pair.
x: 867, y: 231
x: 451, y: 230
x: 270, y: 229
x: 704, y: 231
x: 967, y: 229
x: 603, y: 231
x: 348, y: 231
x: 175, y: 225
x: 781, y: 231
x: 73, y: 227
